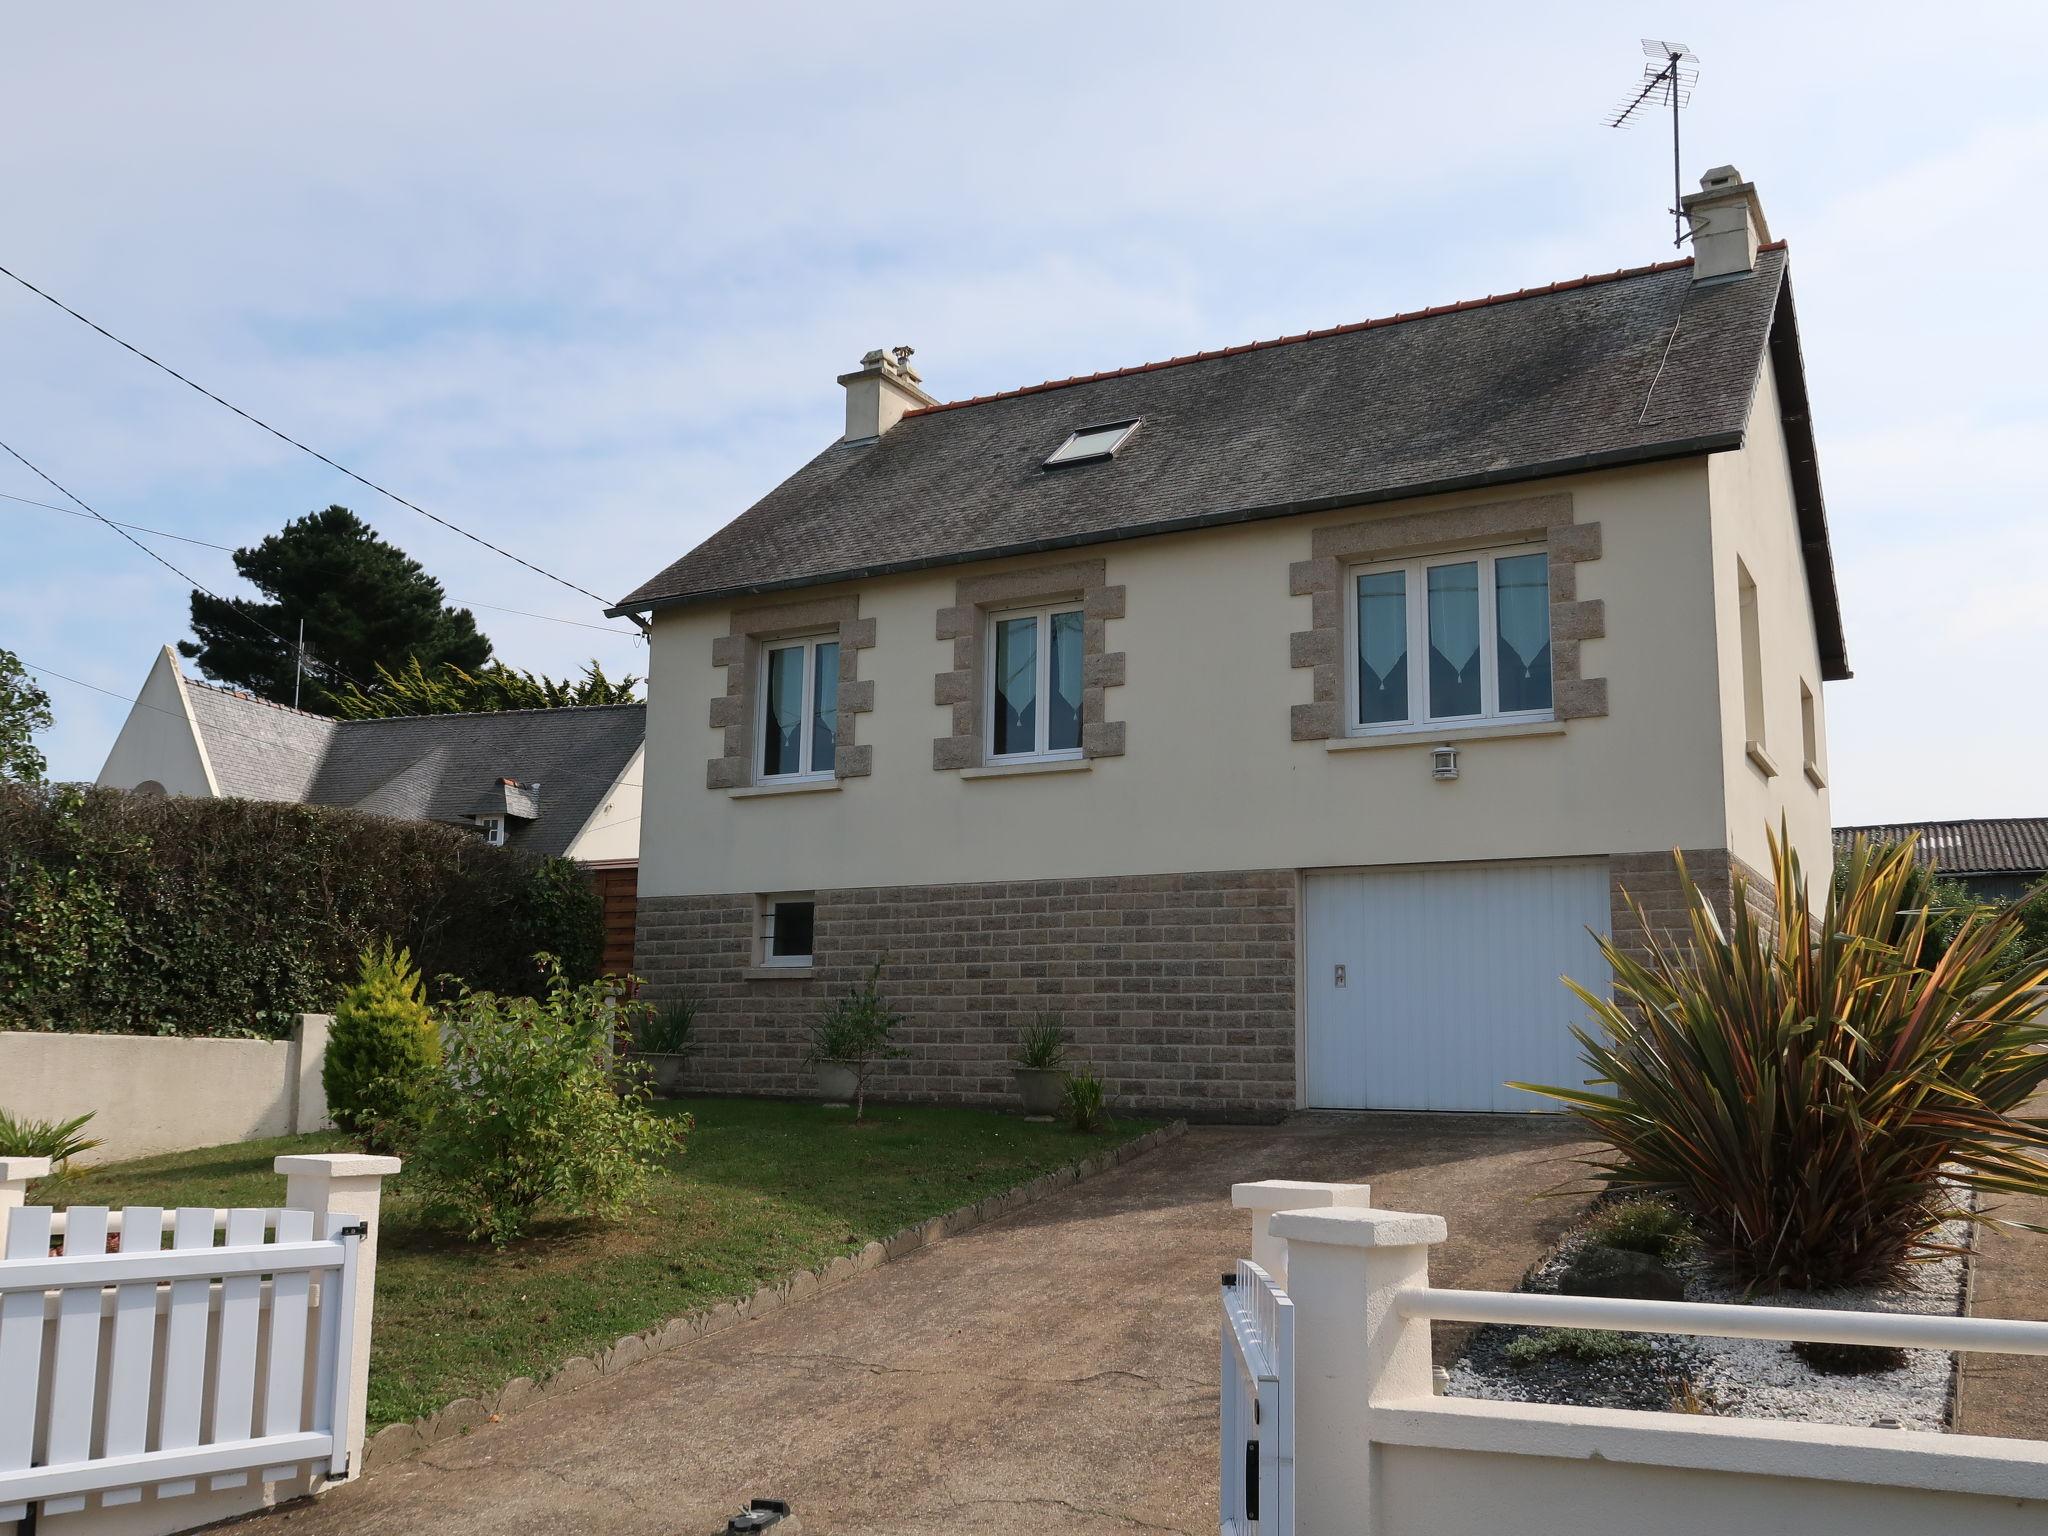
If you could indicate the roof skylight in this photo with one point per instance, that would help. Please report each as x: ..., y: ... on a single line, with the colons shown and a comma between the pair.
x: 1086, y: 444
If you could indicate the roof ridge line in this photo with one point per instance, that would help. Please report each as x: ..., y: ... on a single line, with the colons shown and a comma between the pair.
x: 476, y: 714
x: 1947, y: 821
x: 230, y: 691
x: 1565, y: 285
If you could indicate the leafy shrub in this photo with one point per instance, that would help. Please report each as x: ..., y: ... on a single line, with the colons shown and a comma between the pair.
x: 1042, y: 1044
x: 1652, y: 1226
x: 857, y: 1033
x: 1947, y: 904
x: 151, y: 915
x: 1084, y: 1103
x: 1585, y: 1346
x: 382, y: 1045
x: 523, y: 1114
x: 1803, y: 1091
x: 667, y: 1029
x: 58, y: 1140
x: 558, y: 910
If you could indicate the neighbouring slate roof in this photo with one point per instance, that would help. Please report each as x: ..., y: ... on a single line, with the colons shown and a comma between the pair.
x: 259, y: 750
x: 425, y: 767
x: 2016, y: 845
x: 1624, y: 368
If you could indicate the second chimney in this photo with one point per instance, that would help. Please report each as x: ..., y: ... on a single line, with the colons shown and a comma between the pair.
x: 879, y: 392
x: 1727, y: 224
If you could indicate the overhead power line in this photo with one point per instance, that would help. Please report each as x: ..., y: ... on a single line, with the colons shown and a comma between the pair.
x: 157, y: 533
x: 229, y: 549
x: 254, y: 623
x: 286, y: 437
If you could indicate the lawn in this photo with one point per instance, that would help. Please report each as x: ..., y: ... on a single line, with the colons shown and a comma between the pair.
x: 763, y: 1189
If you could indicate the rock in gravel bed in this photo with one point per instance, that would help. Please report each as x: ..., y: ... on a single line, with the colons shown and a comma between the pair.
x: 1749, y: 1378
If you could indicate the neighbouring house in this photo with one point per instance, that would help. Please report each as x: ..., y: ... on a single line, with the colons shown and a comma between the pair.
x: 555, y: 781
x: 1283, y: 716
x: 1998, y: 859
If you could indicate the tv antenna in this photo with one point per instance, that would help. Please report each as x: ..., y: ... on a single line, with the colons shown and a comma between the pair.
x: 1667, y: 81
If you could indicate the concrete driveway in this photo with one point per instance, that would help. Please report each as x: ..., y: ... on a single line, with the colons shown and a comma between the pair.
x: 1053, y: 1371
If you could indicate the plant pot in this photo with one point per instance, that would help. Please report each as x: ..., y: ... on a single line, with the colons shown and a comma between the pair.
x: 1041, y: 1088
x: 666, y: 1071
x: 836, y: 1082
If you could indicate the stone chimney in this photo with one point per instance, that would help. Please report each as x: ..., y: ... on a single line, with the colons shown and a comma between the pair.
x: 879, y: 392
x: 1727, y: 225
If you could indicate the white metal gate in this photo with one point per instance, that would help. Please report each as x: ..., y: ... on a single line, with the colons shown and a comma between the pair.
x: 160, y: 1367
x: 1257, y: 1405
x: 1432, y: 987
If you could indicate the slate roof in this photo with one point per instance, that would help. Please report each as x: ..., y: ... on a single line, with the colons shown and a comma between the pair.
x: 1623, y: 368
x: 259, y: 750
x: 424, y: 767
x: 2016, y: 845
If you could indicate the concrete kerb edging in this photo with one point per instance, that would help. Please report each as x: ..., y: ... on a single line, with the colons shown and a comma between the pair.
x: 396, y: 1442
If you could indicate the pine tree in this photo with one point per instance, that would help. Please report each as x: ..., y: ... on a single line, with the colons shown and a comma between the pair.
x: 366, y: 604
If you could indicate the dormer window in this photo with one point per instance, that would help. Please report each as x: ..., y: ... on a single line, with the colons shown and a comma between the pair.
x: 493, y: 829
x: 1085, y: 445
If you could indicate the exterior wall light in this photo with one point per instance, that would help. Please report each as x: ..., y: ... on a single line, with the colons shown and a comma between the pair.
x: 1443, y: 762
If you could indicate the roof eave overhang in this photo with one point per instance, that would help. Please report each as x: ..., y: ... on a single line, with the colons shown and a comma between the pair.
x: 1684, y: 448
x: 1788, y: 372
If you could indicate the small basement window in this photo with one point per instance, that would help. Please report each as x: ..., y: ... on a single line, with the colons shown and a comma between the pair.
x: 785, y: 930
x: 1085, y: 445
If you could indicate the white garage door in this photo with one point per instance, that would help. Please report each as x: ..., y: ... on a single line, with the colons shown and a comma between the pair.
x: 1430, y: 988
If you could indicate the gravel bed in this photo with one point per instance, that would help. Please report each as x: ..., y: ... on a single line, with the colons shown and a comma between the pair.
x: 1749, y: 1378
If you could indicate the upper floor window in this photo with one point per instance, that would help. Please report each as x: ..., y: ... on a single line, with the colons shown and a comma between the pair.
x: 1034, y: 684
x: 1454, y: 638
x: 799, y: 708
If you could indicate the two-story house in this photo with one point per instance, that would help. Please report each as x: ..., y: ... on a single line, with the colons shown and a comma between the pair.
x: 1284, y: 716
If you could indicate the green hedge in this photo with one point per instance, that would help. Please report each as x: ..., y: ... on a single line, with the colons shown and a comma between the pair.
x: 143, y: 915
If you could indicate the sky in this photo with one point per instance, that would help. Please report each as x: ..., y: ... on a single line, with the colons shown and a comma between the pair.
x: 580, y: 278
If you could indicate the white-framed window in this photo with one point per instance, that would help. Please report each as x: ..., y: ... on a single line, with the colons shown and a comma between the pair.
x: 1449, y: 639
x: 494, y: 830
x: 797, y: 709
x: 1032, y: 701
x: 785, y: 929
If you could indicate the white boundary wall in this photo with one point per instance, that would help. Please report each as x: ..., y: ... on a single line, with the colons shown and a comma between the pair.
x: 1376, y: 1454
x: 152, y: 1094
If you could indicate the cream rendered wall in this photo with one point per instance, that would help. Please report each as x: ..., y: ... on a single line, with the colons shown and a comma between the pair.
x: 160, y: 740
x: 1421, y: 1491
x: 153, y: 1093
x: 613, y: 831
x: 1212, y: 780
x: 1755, y: 523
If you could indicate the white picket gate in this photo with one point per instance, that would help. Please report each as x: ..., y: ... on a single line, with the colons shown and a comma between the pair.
x: 1258, y: 1405
x: 115, y: 1374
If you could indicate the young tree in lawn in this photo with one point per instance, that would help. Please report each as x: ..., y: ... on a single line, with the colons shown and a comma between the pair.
x: 24, y: 710
x: 366, y: 604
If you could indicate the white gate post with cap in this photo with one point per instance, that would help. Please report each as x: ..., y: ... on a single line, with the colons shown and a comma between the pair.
x: 1270, y: 1195
x: 349, y: 1184
x: 1347, y: 1266
x: 16, y: 1174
